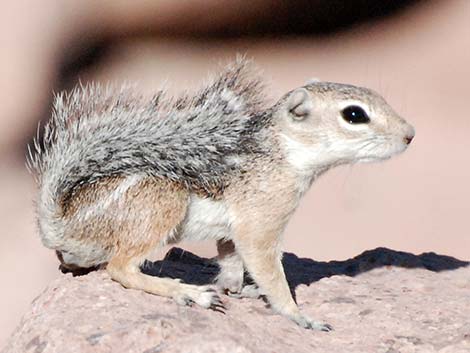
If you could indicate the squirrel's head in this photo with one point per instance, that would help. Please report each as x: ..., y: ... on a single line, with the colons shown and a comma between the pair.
x: 325, y: 124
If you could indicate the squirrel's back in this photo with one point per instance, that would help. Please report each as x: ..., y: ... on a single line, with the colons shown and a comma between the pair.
x: 99, y: 132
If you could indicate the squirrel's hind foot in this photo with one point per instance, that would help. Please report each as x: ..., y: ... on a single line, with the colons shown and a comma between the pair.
x: 203, y: 296
x: 128, y: 274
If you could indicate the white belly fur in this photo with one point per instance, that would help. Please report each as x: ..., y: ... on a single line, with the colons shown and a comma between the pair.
x: 206, y: 219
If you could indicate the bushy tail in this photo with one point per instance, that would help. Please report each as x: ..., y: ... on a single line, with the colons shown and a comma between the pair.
x: 98, y: 132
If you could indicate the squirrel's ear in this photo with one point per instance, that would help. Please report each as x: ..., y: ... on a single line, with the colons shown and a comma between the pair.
x: 300, y: 104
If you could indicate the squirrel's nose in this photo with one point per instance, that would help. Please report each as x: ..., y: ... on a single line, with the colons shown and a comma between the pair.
x: 409, y: 134
x: 408, y: 139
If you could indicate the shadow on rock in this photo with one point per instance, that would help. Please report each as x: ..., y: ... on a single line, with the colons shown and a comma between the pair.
x: 191, y: 268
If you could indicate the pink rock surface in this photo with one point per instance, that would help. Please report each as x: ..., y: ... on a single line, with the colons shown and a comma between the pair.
x: 380, y: 301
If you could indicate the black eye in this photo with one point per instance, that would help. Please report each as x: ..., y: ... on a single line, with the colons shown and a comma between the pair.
x: 355, y: 115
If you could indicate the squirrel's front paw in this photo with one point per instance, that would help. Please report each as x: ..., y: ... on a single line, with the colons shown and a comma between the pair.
x: 310, y: 324
x: 248, y: 291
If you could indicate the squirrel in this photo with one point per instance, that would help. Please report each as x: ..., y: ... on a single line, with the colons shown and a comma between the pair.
x: 120, y: 175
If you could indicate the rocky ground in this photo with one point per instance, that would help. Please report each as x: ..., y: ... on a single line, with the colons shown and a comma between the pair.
x: 380, y: 301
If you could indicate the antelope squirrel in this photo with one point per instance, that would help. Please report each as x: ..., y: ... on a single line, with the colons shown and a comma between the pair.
x: 120, y: 175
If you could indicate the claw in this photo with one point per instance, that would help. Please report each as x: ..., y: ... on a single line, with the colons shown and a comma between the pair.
x: 188, y: 302
x: 217, y: 304
x: 220, y: 306
x: 321, y: 327
x: 219, y: 310
x: 217, y: 300
x: 234, y: 294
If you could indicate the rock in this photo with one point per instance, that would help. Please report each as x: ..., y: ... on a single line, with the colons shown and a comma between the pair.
x: 380, y: 301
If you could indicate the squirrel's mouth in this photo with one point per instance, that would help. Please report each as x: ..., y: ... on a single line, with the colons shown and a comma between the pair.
x: 388, y: 149
x: 374, y: 159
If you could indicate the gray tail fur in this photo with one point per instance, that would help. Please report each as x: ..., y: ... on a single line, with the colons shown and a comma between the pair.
x: 97, y: 132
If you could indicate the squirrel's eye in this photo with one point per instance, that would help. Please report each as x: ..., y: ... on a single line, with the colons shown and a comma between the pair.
x: 355, y: 115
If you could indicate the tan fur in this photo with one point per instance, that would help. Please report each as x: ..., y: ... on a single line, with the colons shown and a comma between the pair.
x: 148, y: 213
x: 257, y: 232
x: 130, y: 226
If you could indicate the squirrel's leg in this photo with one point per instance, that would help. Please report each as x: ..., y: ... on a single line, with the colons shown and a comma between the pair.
x: 231, y: 276
x: 259, y: 246
x: 149, y: 212
x: 126, y: 271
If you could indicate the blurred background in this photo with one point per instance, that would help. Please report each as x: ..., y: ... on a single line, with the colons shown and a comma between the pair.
x: 415, y: 53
